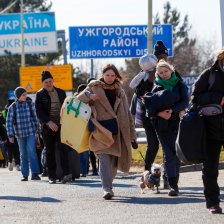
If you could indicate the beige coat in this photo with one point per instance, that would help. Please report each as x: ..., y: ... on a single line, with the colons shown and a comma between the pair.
x: 101, y: 140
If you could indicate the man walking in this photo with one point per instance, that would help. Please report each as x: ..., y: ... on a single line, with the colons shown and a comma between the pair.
x: 48, y: 103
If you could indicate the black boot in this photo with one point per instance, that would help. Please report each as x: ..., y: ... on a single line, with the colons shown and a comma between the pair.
x: 35, y: 176
x: 173, y: 186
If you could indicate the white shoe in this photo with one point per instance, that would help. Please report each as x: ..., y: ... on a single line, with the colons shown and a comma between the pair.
x: 108, y: 194
x: 18, y: 167
x: 10, y: 167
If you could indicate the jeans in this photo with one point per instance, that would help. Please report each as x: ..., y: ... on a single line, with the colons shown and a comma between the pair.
x: 53, y: 144
x: 28, y: 154
x: 172, y: 164
x: 152, y: 143
x: 210, y: 172
x: 107, y: 170
x: 84, y: 162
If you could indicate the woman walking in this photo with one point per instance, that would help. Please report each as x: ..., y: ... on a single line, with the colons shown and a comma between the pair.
x: 113, y: 130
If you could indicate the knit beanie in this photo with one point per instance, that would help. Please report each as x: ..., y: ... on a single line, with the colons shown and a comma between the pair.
x: 46, y: 75
x: 160, y: 48
x: 19, y: 91
x: 81, y: 87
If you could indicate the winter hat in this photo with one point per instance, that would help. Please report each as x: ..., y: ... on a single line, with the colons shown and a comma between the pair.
x: 160, y: 48
x: 148, y: 62
x: 46, y: 75
x: 81, y: 88
x: 19, y: 91
x: 89, y: 80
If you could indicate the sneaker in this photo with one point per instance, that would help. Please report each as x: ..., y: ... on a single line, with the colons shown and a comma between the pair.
x: 35, y: 177
x: 216, y: 209
x: 83, y: 175
x: 10, y: 166
x: 107, y: 195
x: 173, y: 192
x: 66, y: 178
x: 52, y: 181
x: 44, y: 174
x: 18, y: 167
x: 24, y: 179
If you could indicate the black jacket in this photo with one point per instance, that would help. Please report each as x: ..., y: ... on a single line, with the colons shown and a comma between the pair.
x: 3, y: 134
x: 43, y: 104
x: 160, y: 100
x: 202, y: 96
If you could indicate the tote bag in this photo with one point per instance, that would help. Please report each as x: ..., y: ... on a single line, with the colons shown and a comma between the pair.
x: 74, y: 119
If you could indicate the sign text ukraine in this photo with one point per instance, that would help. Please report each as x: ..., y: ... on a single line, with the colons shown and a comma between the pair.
x: 39, y: 33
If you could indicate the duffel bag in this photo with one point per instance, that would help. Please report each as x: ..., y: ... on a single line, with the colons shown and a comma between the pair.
x: 191, y: 139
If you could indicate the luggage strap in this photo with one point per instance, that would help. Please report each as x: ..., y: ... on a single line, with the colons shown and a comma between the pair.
x: 70, y: 107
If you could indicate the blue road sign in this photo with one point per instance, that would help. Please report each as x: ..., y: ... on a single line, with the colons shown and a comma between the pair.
x: 116, y: 41
x: 39, y: 33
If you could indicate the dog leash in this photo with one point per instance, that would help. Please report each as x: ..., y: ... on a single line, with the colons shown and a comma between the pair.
x: 142, y: 156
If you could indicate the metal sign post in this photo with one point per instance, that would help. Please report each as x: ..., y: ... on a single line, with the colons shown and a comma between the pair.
x: 222, y: 20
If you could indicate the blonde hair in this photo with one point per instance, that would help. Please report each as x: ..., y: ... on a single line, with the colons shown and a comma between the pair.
x: 163, y: 63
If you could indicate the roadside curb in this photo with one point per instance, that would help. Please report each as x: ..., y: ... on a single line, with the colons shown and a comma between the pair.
x: 196, y: 167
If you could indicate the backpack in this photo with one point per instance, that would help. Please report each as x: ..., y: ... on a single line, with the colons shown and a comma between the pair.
x: 14, y: 110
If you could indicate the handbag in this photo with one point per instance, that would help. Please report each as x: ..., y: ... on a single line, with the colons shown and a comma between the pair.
x: 191, y: 139
x: 211, y: 110
x: 110, y: 124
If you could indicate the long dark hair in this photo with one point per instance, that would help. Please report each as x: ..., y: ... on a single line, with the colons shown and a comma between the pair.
x: 112, y: 67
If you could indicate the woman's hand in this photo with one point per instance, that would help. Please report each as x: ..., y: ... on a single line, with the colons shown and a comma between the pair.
x: 222, y: 101
x: 165, y: 114
x: 52, y: 126
x: 94, y: 97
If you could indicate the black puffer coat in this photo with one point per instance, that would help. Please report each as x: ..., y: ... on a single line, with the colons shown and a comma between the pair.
x: 177, y: 103
x: 202, y: 96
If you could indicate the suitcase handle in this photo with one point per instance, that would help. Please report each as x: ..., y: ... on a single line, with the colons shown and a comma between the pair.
x: 70, y: 107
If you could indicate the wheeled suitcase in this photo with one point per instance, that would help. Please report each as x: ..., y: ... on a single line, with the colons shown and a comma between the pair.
x: 74, y: 124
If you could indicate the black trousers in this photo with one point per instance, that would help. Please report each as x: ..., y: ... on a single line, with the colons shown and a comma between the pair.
x: 13, y: 152
x: 93, y: 161
x: 152, y: 143
x: 210, y: 172
x: 52, y: 143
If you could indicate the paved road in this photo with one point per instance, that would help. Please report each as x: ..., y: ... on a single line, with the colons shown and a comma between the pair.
x: 81, y: 202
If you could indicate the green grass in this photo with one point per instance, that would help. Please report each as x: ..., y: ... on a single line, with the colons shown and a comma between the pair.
x: 137, y: 160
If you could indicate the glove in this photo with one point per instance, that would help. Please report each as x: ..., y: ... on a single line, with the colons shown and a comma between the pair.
x: 134, y: 144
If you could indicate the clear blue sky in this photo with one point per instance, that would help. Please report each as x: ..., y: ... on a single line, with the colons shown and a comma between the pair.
x: 204, y: 15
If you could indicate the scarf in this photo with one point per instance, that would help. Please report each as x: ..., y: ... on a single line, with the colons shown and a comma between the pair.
x: 115, y: 86
x: 168, y: 84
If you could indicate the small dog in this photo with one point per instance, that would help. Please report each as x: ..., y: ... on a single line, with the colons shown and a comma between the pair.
x: 151, y: 180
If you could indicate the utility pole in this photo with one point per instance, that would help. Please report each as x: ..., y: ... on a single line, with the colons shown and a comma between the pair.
x: 150, y: 26
x: 61, y: 34
x: 222, y: 20
x: 91, y: 72
x: 23, y: 63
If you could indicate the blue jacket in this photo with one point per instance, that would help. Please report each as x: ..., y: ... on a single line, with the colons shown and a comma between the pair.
x: 22, y: 121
